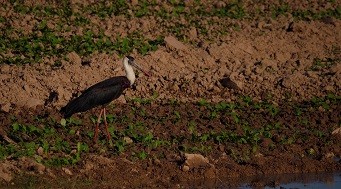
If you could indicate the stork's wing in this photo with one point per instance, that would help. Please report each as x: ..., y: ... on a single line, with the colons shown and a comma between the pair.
x: 99, y: 94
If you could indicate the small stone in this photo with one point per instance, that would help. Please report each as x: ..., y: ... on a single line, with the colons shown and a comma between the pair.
x: 260, y: 24
x: 50, y: 173
x: 27, y: 88
x: 32, y: 102
x: 216, y: 89
x: 185, y: 168
x: 210, y: 173
x: 329, y: 88
x: 40, y: 168
x: 121, y: 100
x: 337, y: 131
x: 6, y: 107
x: 157, y: 162
x: 40, y: 151
x: 329, y: 155
x: 67, y: 171
x: 5, y: 176
x: 328, y: 20
x: 195, y: 160
x: 128, y: 140
x: 266, y: 142
x: 220, y: 4
x: 134, y: 2
x: 5, y: 68
x: 321, y: 109
x: 336, y: 68
x: 89, y: 166
x: 74, y: 58
x: 175, y: 87
x: 172, y: 42
x: 193, y: 33
x: 259, y: 70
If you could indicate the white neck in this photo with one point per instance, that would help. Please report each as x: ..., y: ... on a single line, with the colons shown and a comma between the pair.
x: 129, y: 71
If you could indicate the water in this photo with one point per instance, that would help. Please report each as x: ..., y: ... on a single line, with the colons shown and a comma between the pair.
x: 334, y: 183
x: 293, y: 181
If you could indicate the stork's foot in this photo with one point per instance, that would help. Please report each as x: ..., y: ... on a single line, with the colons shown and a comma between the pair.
x: 108, y: 135
x: 106, y: 126
x: 97, y: 126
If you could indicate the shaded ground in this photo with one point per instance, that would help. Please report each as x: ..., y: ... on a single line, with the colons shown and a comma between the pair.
x: 253, y: 87
x: 238, y: 139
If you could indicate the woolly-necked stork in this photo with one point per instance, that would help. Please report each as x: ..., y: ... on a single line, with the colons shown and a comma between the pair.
x: 103, y: 93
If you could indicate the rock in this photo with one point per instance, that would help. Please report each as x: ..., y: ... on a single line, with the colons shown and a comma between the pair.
x: 195, y: 161
x: 40, y: 168
x: 40, y: 151
x: 50, y: 173
x: 220, y: 4
x: 266, y: 142
x: 53, y: 97
x: 5, y: 171
x: 185, y: 168
x: 27, y: 88
x: 121, y: 99
x: 228, y: 83
x: 210, y: 172
x: 32, y: 102
x: 328, y: 20
x: 335, y: 68
x: 175, y: 87
x: 74, y: 58
x: 89, y: 166
x: 134, y: 2
x: 294, y: 81
x: 173, y: 43
x: 337, y: 131
x: 281, y: 57
x: 260, y: 24
x: 157, y: 162
x: 5, y: 107
x: 127, y: 140
x: 5, y: 176
x: 329, y: 155
x: 193, y: 33
x: 5, y: 68
x: 329, y: 88
x: 67, y: 171
x: 258, y: 155
x: 31, y: 164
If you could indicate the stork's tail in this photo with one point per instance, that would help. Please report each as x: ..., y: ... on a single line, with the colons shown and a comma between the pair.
x: 64, y: 112
x: 74, y: 106
x: 68, y: 110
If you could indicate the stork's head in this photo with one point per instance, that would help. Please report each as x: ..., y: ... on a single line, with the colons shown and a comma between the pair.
x: 129, y: 63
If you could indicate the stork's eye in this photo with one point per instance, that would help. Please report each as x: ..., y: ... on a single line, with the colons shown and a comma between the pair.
x: 130, y: 59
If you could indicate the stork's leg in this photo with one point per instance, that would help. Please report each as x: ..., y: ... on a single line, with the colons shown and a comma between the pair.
x: 106, y: 125
x: 97, y: 125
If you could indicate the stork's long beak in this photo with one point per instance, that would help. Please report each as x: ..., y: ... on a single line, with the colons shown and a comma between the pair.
x: 141, y: 69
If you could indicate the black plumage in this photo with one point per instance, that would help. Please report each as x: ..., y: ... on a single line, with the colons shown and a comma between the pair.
x: 101, y: 93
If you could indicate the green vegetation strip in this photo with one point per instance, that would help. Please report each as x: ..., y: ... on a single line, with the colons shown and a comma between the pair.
x: 174, y: 17
x: 142, y: 133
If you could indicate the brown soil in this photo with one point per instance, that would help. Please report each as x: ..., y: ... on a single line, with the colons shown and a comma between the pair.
x: 270, y: 59
x: 168, y: 167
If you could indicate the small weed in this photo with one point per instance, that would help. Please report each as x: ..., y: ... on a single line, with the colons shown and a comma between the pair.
x: 319, y: 64
x: 142, y: 155
x: 203, y: 102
